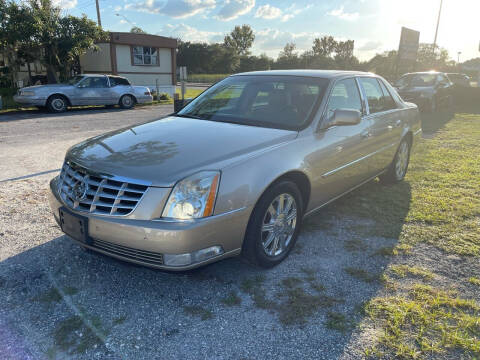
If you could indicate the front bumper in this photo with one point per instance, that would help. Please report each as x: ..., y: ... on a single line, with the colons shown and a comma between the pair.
x: 148, y: 242
x: 29, y: 100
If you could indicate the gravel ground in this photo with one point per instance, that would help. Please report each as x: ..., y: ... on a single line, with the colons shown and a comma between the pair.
x: 59, y: 301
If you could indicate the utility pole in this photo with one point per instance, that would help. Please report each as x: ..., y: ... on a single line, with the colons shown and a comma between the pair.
x: 458, y: 56
x: 99, y: 21
x: 438, y: 24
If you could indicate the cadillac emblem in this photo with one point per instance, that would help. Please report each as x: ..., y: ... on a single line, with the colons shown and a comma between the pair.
x: 79, y: 190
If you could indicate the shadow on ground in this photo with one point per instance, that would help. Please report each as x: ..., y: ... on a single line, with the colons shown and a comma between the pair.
x: 29, y: 114
x: 59, y: 301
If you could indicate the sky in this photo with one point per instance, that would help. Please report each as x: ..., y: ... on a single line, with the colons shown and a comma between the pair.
x: 374, y: 25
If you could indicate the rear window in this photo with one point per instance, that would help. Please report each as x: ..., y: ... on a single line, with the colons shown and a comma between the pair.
x: 115, y: 81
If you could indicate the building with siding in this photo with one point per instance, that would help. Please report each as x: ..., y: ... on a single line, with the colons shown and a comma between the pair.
x: 147, y: 60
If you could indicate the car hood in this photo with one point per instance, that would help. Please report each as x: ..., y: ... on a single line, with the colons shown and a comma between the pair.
x: 164, y: 151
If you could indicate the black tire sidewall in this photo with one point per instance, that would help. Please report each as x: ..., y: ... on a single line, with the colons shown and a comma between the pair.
x: 253, y: 248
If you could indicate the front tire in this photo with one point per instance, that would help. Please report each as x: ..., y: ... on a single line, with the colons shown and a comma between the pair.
x: 398, y: 168
x: 127, y: 102
x: 57, y: 104
x: 274, y: 225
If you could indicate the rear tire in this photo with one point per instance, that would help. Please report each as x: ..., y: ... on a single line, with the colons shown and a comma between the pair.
x: 57, y: 103
x: 274, y: 225
x: 127, y: 102
x: 398, y: 168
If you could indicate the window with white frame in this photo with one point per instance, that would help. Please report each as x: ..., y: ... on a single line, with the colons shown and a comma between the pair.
x: 144, y: 55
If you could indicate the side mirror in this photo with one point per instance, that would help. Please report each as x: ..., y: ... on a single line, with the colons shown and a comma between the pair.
x: 345, y: 117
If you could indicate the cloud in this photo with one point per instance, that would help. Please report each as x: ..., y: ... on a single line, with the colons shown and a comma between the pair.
x: 370, y: 46
x: 189, y: 33
x: 65, y: 4
x: 174, y: 8
x: 272, y: 41
x: 232, y: 9
x: 341, y: 14
x: 268, y: 12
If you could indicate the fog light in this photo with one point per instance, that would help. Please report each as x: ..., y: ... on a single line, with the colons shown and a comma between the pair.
x: 190, y: 258
x: 205, y: 254
x: 177, y: 259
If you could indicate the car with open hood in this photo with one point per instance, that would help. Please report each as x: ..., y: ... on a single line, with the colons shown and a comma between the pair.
x: 236, y: 170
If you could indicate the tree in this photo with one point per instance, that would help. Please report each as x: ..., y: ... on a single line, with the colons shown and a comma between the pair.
x: 137, y: 30
x: 240, y: 39
x: 439, y: 60
x: 62, y: 40
x: 324, y: 46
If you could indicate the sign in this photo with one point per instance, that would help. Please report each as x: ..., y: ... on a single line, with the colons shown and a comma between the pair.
x: 408, y: 49
x: 183, y: 73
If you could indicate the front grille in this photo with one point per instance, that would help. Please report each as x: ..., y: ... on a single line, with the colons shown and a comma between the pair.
x: 130, y: 253
x: 86, y: 191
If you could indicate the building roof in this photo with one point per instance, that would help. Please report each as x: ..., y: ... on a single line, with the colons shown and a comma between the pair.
x: 127, y: 38
x: 309, y: 73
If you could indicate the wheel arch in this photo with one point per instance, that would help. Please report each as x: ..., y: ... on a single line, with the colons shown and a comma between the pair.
x: 300, y: 179
x: 130, y: 94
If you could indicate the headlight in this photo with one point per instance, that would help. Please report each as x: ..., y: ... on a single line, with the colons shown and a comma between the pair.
x: 193, y: 197
x: 28, y: 93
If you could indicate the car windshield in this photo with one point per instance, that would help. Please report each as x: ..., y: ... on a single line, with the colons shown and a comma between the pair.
x: 74, y: 80
x: 417, y: 80
x: 284, y: 102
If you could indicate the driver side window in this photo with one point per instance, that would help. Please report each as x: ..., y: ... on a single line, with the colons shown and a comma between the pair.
x: 345, y: 95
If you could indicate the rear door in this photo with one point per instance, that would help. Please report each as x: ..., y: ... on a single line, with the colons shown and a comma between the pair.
x: 118, y: 87
x: 386, y: 123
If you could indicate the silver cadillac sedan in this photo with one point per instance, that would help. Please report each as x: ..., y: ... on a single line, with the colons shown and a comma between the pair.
x: 236, y: 170
x: 84, y: 90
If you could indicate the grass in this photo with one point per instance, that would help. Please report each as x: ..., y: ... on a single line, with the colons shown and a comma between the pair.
x: 361, y: 274
x: 232, y: 299
x: 427, y: 321
x: 438, y: 202
x: 198, y: 311
x: 338, y: 321
x: 74, y: 336
x: 355, y: 245
x: 206, y: 78
x: 406, y: 270
x: 474, y: 281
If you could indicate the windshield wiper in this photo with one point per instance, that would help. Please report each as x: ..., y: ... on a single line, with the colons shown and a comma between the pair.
x: 190, y: 116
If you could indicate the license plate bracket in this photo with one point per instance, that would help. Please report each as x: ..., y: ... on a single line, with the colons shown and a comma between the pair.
x: 75, y: 226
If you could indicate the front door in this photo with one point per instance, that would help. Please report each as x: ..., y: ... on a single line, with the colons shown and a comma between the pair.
x: 93, y: 90
x: 343, y: 162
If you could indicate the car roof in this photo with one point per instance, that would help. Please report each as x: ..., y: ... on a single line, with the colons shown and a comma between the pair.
x: 425, y: 72
x: 90, y: 75
x: 327, y: 74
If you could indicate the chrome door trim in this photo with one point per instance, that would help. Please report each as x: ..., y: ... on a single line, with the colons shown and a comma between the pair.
x: 309, y: 213
x: 331, y: 172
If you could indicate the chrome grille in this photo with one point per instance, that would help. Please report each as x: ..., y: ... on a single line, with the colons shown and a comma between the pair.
x: 101, y: 195
x: 129, y: 253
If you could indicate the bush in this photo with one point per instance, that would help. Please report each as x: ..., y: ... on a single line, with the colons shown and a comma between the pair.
x: 164, y: 96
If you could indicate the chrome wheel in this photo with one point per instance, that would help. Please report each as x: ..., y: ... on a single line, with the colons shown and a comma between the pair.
x: 58, y: 104
x: 279, y: 224
x: 127, y: 101
x: 402, y: 160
